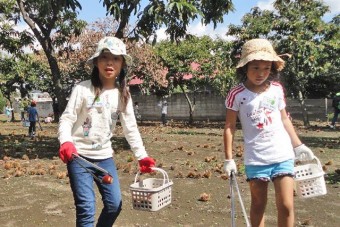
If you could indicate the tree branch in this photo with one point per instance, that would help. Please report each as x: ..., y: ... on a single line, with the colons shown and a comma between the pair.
x: 28, y: 20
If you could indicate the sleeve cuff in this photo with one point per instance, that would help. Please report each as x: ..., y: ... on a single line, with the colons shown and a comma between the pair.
x: 141, y: 154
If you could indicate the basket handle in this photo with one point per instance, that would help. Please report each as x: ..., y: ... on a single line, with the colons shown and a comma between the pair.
x: 317, y: 162
x: 165, y: 174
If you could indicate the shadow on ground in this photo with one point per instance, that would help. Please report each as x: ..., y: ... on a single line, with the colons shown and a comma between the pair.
x: 42, y: 147
x: 333, y: 178
x: 326, y: 142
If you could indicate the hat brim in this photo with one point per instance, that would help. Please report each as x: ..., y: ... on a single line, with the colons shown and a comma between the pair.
x: 128, y: 58
x: 264, y: 56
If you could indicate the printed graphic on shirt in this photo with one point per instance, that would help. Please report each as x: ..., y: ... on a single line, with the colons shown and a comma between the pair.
x: 114, y: 118
x: 264, y: 119
x: 86, y: 127
x: 243, y: 101
x: 115, y: 115
x: 107, y: 103
x: 100, y: 121
x: 96, y: 146
x: 98, y: 103
x: 268, y: 103
x: 262, y: 116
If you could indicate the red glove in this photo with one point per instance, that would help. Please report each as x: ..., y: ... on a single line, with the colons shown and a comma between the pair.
x: 145, y: 165
x: 66, y: 150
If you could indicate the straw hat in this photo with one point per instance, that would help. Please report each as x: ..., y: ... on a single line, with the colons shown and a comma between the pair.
x: 114, y: 46
x: 259, y: 49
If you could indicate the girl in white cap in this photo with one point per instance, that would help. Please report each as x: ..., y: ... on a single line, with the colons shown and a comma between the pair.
x: 269, y: 136
x: 86, y: 127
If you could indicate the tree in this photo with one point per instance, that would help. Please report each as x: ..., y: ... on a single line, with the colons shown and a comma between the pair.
x: 192, y: 65
x: 222, y: 61
x: 19, y: 74
x: 52, y: 23
x: 297, y: 28
x: 175, y: 15
x: 146, y: 65
x: 2, y: 102
x: 325, y: 83
x: 7, y: 80
x: 306, y: 39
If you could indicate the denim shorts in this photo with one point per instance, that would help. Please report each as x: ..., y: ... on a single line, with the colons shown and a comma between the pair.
x: 270, y: 172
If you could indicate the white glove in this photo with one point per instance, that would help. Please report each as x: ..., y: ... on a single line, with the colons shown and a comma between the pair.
x: 229, y: 165
x: 303, y: 153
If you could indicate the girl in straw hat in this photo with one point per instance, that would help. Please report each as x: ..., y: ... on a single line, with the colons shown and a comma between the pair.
x: 86, y: 127
x: 269, y: 136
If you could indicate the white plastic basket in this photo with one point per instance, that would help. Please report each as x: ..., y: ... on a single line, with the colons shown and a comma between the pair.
x: 309, y: 180
x: 151, y: 194
x: 26, y: 123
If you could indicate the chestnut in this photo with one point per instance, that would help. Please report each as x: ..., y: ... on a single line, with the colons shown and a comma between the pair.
x: 107, y: 179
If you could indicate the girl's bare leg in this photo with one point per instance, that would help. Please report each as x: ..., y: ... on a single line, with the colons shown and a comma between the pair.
x: 258, y: 190
x: 284, y: 194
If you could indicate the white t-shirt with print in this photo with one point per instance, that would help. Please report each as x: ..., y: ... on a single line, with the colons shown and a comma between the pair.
x: 90, y: 125
x: 266, y: 140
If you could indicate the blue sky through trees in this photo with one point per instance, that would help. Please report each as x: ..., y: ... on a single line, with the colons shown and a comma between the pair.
x: 94, y: 10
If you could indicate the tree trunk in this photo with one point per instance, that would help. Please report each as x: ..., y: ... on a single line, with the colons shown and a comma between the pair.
x: 58, y: 90
x: 56, y: 112
x: 304, y: 110
x: 13, y: 117
x: 46, y: 43
x: 191, y: 106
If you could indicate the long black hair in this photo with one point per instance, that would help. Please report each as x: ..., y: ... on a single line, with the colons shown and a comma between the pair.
x: 120, y: 84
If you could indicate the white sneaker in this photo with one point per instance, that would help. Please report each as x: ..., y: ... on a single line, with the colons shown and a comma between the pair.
x: 332, y: 126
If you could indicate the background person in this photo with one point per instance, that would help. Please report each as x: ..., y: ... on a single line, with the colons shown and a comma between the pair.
x: 8, y: 112
x: 136, y: 110
x: 48, y: 119
x: 23, y: 106
x: 164, y: 112
x: 86, y: 128
x: 269, y: 136
x: 33, y: 117
x: 336, y: 106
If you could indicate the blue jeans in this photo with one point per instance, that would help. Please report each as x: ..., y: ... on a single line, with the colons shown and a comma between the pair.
x: 84, y: 196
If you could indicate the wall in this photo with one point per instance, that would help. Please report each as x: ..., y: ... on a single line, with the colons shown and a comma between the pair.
x: 316, y: 108
x: 211, y: 107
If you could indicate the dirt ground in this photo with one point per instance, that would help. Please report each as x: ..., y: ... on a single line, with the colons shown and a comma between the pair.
x: 34, y: 188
